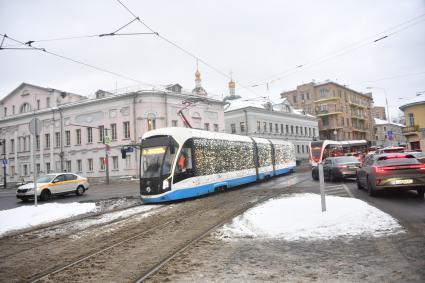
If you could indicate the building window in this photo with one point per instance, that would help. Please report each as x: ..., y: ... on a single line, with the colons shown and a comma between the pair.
x: 127, y: 128
x: 302, y: 96
x: 79, y: 165
x: 216, y: 128
x: 38, y: 104
x: 174, y: 123
x: 48, y: 102
x: 38, y: 168
x: 57, y: 139
x: 115, y: 162
x: 287, y: 129
x: 233, y: 128
x: 47, y: 167
x: 207, y: 126
x: 258, y: 126
x: 78, y: 135
x: 298, y: 148
x: 296, y: 130
x: 68, y: 138
x: 89, y: 135
x: 128, y: 162
x: 114, y: 131
x: 47, y: 140
x: 314, y: 132
x: 325, y: 121
x: 295, y: 98
x: 25, y: 169
x: 271, y: 127
x: 5, y: 111
x: 281, y: 128
x: 242, y: 127
x: 308, y: 95
x: 309, y: 132
x: 305, y: 131
x: 102, y: 163
x: 90, y: 164
x: 101, y: 133
x: 265, y: 126
x: 37, y: 142
x: 25, y: 108
x: 411, y: 119
x: 12, y: 170
x: 302, y: 148
x: 12, y: 146
x: 151, y: 124
x: 68, y: 166
x: 276, y: 128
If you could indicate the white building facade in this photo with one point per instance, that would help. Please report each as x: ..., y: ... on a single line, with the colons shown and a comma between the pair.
x: 273, y: 121
x: 73, y: 128
x: 388, y: 133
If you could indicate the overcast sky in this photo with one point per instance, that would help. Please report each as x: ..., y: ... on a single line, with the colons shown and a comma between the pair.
x: 259, y: 41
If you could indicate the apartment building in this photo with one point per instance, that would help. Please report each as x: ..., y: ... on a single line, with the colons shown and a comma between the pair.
x: 415, y: 123
x: 379, y: 112
x: 344, y: 114
x: 388, y: 133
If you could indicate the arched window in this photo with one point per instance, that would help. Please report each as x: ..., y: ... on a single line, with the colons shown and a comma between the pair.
x: 25, y: 108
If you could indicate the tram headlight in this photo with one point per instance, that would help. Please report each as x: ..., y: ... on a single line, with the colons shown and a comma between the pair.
x: 165, y: 184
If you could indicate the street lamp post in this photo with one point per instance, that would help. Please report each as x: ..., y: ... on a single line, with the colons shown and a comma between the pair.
x: 386, y: 99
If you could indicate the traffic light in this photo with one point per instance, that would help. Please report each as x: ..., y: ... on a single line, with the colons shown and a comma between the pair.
x: 123, y: 152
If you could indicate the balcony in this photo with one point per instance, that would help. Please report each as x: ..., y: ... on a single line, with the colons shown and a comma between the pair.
x: 331, y: 126
x: 410, y: 130
x: 360, y: 129
x: 327, y: 98
x: 356, y: 104
x: 329, y: 110
x: 358, y: 116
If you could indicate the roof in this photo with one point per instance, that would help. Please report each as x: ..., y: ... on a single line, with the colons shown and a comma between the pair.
x: 379, y: 122
x: 417, y: 100
x: 264, y: 103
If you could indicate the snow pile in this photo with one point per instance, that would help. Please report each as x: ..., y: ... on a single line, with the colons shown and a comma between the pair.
x: 299, y: 217
x: 29, y: 216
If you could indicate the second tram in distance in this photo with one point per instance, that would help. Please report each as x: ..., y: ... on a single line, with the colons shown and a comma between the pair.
x: 180, y: 163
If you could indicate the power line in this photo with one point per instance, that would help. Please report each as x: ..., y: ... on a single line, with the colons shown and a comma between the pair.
x: 389, y: 78
x: 359, y: 44
x: 184, y: 50
x: 30, y: 47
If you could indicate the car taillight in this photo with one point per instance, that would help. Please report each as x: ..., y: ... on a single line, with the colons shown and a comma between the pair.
x: 342, y: 166
x: 379, y: 169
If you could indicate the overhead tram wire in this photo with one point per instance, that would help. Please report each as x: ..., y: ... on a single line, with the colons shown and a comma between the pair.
x: 184, y: 50
x: 359, y: 44
x: 30, y: 42
x: 30, y: 47
x: 389, y: 78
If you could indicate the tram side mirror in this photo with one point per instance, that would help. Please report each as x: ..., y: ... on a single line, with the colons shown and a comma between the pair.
x: 123, y: 153
x: 172, y: 149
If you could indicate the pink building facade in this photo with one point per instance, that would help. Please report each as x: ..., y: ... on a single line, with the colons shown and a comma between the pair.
x: 73, y: 127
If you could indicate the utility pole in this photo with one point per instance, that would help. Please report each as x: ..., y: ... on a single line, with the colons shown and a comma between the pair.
x: 4, y: 163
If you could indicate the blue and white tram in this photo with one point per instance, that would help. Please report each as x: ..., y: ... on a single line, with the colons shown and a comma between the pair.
x: 179, y: 163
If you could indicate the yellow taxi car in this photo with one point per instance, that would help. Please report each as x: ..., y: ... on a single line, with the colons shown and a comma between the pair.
x: 54, y: 184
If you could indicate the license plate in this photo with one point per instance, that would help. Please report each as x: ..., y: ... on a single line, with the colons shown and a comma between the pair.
x: 403, y: 182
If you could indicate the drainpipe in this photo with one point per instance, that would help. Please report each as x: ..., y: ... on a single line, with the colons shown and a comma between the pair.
x: 246, y: 122
x: 166, y: 109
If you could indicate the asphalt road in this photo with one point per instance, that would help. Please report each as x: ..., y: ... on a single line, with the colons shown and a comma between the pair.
x: 124, y: 189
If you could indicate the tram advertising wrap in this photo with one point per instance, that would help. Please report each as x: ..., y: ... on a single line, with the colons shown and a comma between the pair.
x: 178, y: 163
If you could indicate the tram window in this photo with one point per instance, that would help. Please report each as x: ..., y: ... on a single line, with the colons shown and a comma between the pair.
x: 184, y: 164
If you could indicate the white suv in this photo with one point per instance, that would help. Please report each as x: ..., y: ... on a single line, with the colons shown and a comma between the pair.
x: 54, y: 184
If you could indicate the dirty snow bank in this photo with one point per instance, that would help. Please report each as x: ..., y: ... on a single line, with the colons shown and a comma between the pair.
x: 30, y: 216
x: 299, y: 217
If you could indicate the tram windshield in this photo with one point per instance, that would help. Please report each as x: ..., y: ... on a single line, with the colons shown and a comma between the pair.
x: 156, y: 161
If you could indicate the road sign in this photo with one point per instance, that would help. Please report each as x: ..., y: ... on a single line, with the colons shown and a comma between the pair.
x: 4, y: 162
x: 129, y: 149
x: 38, y: 126
x: 390, y: 135
x: 107, y: 139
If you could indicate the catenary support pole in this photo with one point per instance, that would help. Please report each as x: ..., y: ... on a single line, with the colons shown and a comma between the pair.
x: 322, y: 187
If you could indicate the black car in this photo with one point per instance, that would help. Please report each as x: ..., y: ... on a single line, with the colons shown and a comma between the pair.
x: 335, y: 168
x: 399, y: 171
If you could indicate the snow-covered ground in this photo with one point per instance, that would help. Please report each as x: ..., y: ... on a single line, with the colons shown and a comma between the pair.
x: 30, y: 216
x: 299, y: 217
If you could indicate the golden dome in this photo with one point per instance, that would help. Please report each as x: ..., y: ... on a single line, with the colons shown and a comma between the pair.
x: 232, y: 84
x: 197, y: 74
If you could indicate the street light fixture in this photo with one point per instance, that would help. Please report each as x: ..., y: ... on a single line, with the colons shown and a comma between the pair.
x: 386, y: 99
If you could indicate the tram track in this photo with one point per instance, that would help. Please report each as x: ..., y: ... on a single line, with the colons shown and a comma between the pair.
x: 108, y: 252
x: 143, y: 236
